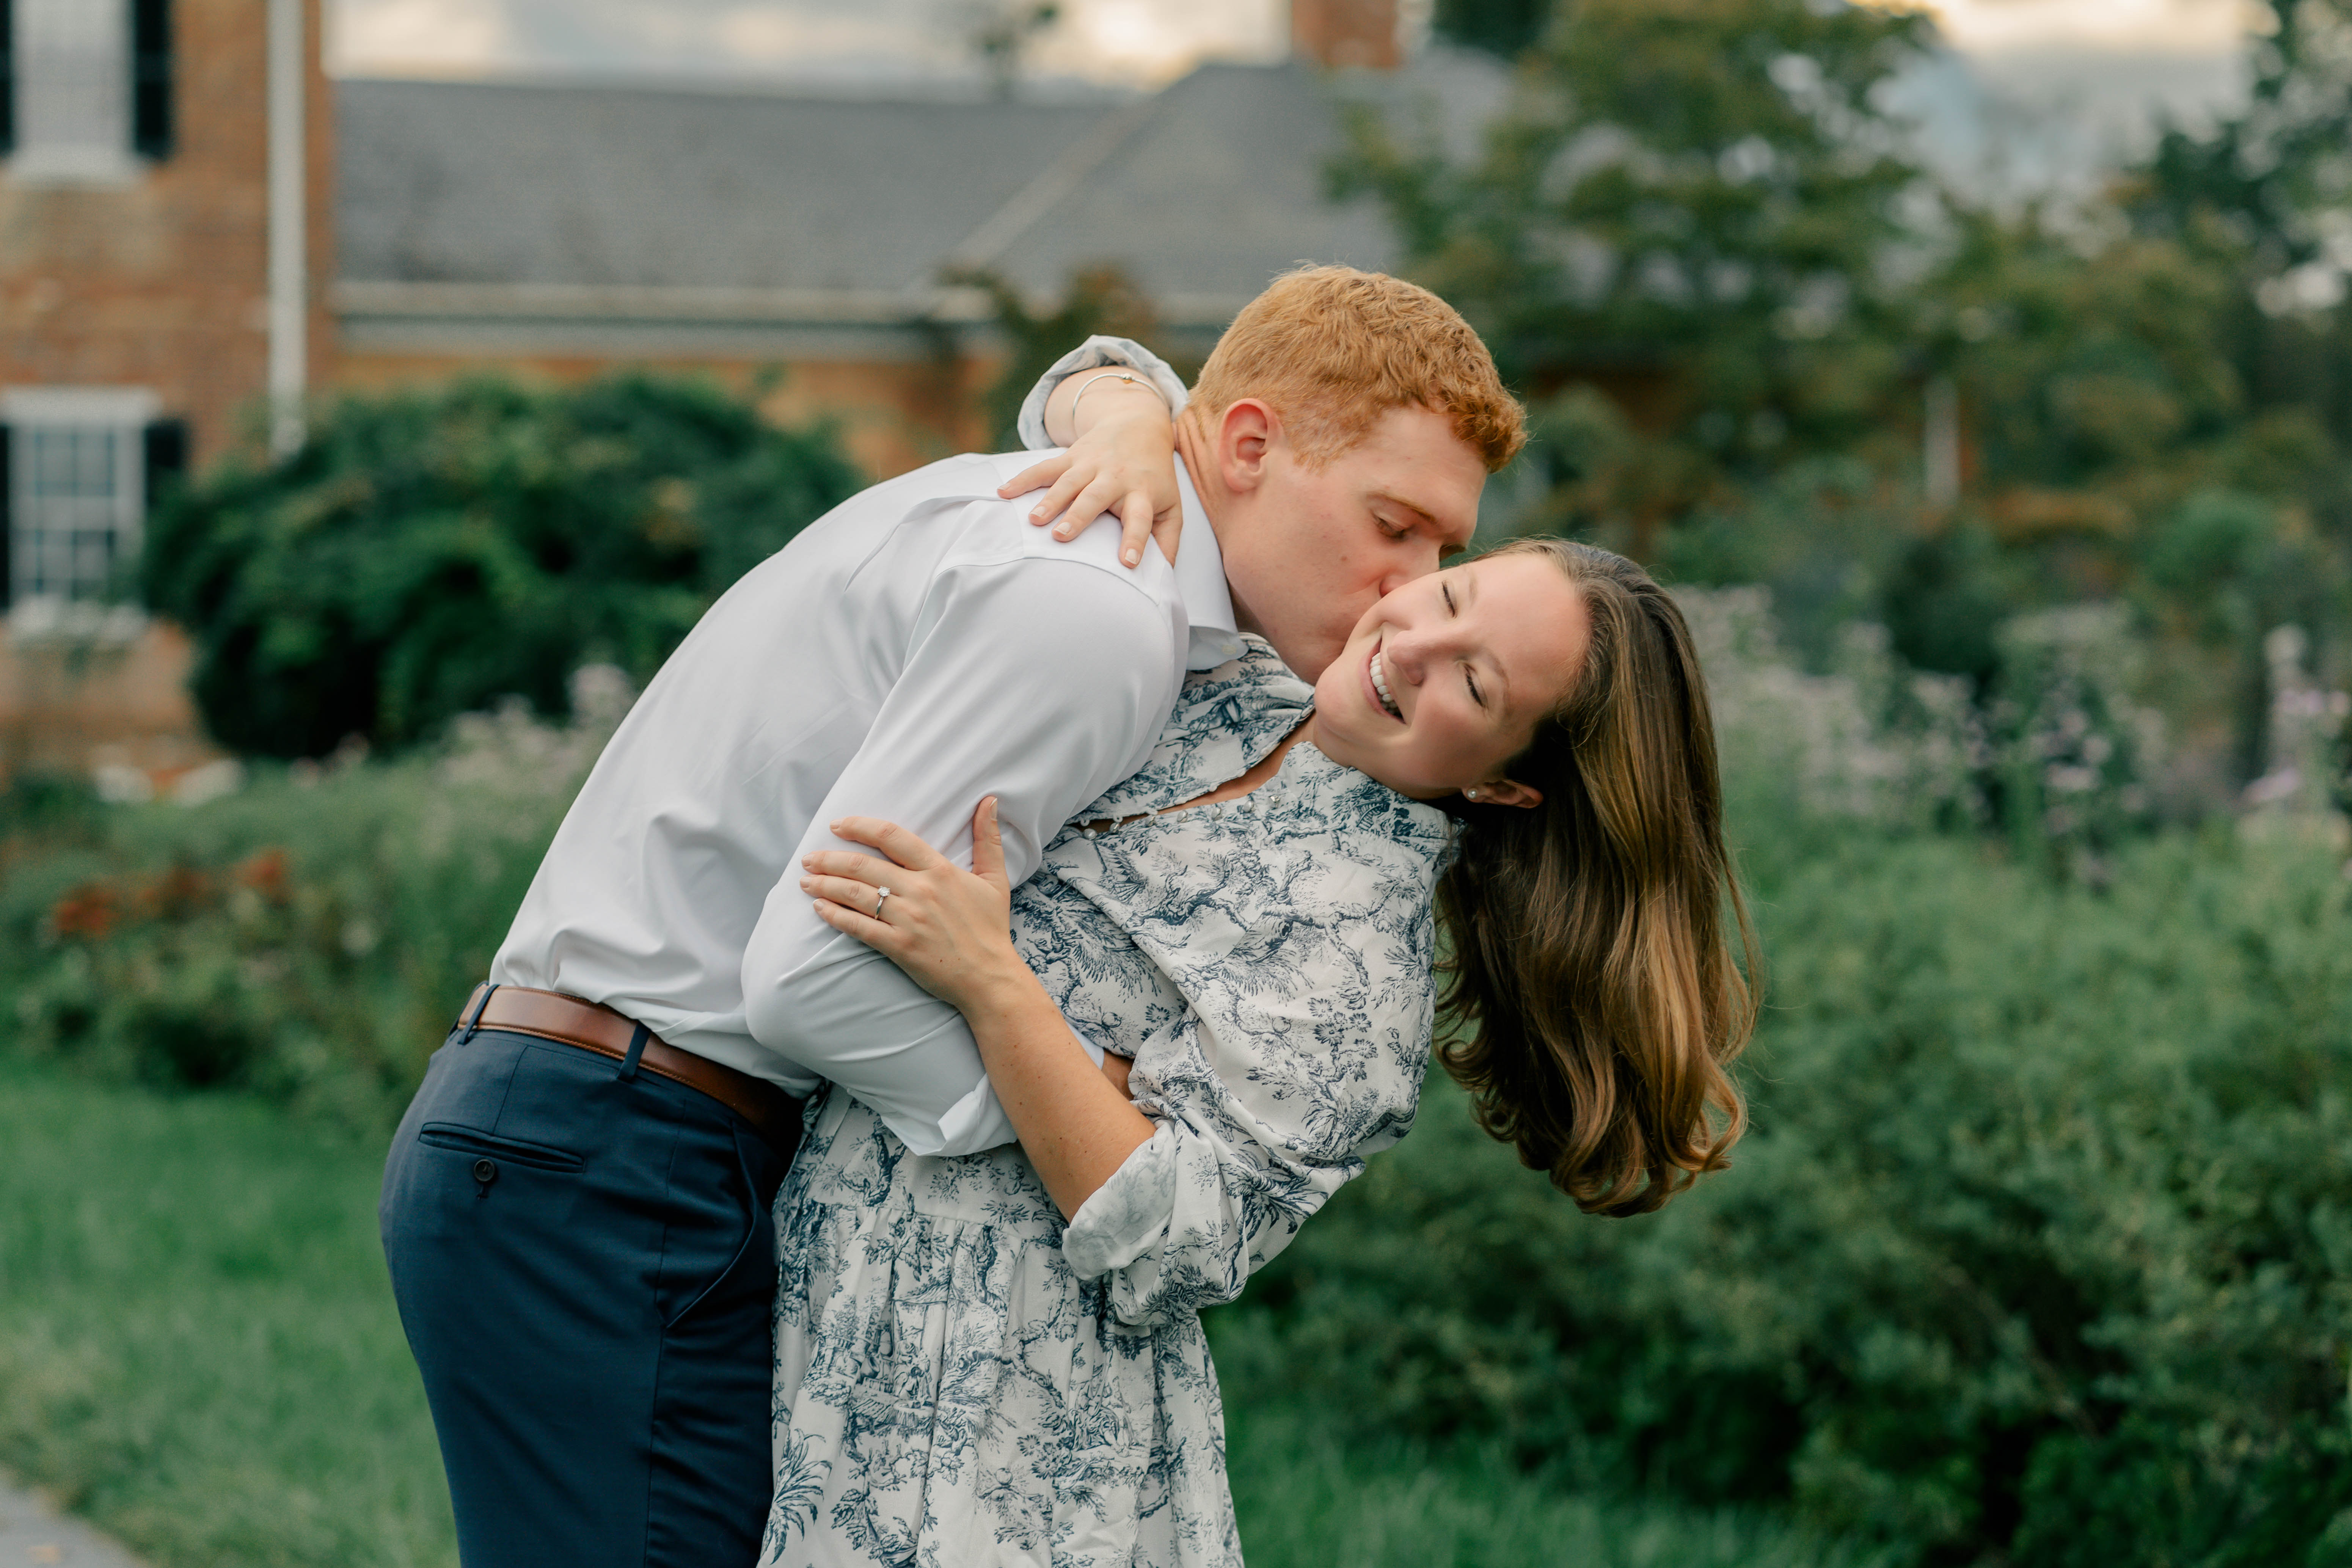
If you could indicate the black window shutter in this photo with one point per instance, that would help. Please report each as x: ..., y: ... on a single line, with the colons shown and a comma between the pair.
x: 151, y: 78
x: 7, y: 80
x: 166, y: 452
x: 166, y: 448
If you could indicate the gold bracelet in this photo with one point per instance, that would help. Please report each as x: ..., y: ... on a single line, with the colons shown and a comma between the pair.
x: 1125, y: 375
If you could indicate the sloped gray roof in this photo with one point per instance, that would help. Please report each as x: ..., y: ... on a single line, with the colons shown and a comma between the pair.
x: 604, y: 197
x: 597, y: 185
x: 1223, y: 183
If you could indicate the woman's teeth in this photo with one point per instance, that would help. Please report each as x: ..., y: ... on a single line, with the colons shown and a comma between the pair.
x: 1380, y: 685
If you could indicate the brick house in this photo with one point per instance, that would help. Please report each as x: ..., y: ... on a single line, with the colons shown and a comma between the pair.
x: 198, y: 230
x: 163, y: 240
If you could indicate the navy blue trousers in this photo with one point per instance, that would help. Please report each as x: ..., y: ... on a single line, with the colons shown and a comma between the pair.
x: 585, y: 1267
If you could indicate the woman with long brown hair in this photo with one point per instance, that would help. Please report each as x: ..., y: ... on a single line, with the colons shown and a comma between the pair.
x: 1591, y: 980
x: 999, y: 1357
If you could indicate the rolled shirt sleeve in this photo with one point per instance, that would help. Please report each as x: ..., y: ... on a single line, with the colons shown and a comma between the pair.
x: 1096, y: 352
x: 1040, y: 681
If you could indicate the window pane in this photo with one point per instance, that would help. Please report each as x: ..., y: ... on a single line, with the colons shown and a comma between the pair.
x: 71, y: 510
x: 73, y: 77
x: 73, y: 461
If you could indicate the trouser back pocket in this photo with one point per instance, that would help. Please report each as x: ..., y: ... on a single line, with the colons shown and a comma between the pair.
x: 472, y: 1140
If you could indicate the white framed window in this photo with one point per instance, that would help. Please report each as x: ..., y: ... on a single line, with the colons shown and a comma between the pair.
x: 73, y: 93
x: 78, y: 489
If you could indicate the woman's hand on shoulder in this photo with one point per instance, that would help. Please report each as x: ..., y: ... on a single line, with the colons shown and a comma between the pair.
x: 1124, y: 461
x: 950, y: 929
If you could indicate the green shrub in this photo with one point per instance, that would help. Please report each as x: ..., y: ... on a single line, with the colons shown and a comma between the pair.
x: 2041, y: 1250
x: 308, y: 939
x: 425, y: 553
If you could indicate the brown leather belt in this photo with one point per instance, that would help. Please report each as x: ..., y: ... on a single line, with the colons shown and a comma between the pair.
x: 593, y: 1027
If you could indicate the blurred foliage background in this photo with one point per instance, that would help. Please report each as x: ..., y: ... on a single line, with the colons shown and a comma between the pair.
x: 1766, y: 343
x: 425, y: 553
x: 2018, y: 537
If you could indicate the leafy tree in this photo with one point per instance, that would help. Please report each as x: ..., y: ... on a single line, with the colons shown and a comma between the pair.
x: 2263, y: 199
x: 2270, y: 180
x: 2180, y: 362
x: 1706, y: 253
x: 1699, y: 201
x: 1099, y: 299
x: 424, y: 553
x: 1501, y: 27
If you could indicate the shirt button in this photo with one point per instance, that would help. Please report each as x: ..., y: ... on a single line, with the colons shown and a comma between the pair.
x: 486, y: 1171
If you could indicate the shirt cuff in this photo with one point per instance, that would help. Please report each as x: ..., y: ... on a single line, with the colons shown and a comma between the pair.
x: 975, y: 1122
x: 1093, y: 354
x: 1095, y: 1053
x: 972, y: 1124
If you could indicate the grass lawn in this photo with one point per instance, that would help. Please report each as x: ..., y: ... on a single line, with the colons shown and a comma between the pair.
x: 198, y: 1351
x: 1309, y: 1500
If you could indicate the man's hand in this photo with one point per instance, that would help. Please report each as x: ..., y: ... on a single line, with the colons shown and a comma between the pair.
x: 1121, y: 459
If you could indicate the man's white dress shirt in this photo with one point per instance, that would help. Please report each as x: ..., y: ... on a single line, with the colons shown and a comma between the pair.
x: 919, y: 646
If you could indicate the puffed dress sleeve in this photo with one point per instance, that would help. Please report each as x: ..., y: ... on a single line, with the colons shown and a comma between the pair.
x: 1202, y: 1205
x: 1300, y: 1054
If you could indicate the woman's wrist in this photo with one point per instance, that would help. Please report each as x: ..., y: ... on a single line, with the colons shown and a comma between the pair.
x: 1091, y: 398
x: 999, y: 990
x: 1106, y: 385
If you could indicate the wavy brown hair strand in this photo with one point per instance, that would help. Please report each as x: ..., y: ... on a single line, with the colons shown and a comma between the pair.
x: 1595, y: 1000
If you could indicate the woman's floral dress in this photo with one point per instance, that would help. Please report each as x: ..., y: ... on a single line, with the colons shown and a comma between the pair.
x: 961, y: 1379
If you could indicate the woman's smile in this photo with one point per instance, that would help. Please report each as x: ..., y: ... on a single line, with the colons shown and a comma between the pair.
x: 1483, y: 649
x: 1376, y: 683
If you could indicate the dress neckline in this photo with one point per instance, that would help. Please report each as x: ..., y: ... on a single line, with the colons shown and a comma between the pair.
x: 1292, y: 771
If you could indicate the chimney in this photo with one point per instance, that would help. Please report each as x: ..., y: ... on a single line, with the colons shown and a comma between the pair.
x: 1345, y: 33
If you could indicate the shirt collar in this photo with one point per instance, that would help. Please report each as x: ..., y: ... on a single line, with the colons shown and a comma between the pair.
x: 1201, y: 580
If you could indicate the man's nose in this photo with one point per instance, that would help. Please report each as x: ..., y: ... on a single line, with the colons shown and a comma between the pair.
x: 1412, y: 559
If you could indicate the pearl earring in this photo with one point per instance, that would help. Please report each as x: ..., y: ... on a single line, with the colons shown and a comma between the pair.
x: 1469, y: 794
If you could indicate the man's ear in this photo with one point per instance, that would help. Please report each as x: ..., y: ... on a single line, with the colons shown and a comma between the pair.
x: 1245, y: 434
x: 1507, y: 791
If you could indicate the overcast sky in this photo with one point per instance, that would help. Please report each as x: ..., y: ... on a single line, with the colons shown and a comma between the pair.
x: 1132, y: 40
x: 2072, y: 81
x: 1113, y: 41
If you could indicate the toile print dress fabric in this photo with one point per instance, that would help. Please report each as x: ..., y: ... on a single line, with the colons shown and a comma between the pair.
x: 963, y: 1380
